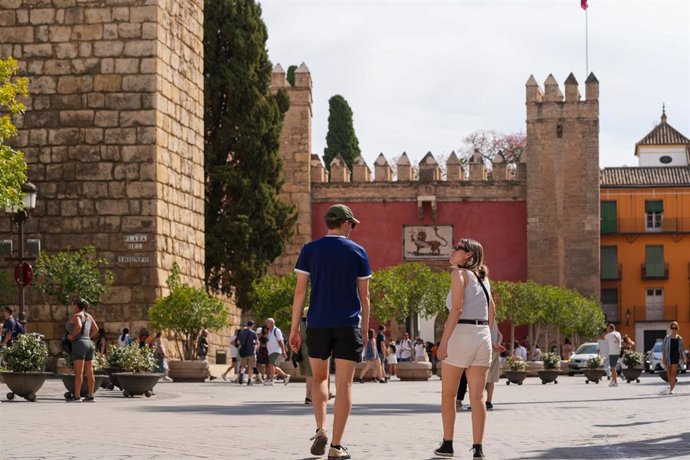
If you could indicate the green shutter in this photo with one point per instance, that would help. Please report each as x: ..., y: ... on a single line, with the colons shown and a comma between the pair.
x: 609, y: 296
x: 608, y: 217
x: 653, y: 206
x: 609, y: 263
x: 654, y: 261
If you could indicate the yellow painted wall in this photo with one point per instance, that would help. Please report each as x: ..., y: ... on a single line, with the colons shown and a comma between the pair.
x: 630, y: 207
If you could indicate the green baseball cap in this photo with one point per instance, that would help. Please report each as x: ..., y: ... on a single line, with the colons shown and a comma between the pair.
x: 340, y: 212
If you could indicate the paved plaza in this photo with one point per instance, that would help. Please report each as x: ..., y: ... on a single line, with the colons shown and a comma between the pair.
x: 399, y: 420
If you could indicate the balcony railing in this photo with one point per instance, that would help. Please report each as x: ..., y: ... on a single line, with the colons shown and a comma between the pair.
x: 611, y: 271
x: 639, y: 225
x: 654, y: 271
x: 611, y: 311
x: 655, y: 312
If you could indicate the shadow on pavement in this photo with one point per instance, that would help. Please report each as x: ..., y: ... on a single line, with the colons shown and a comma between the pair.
x: 664, y: 447
x: 291, y: 408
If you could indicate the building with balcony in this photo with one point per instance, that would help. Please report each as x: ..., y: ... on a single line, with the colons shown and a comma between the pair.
x: 645, y: 238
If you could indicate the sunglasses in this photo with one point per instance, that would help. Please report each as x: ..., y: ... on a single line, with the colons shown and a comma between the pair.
x: 674, y: 328
x: 460, y: 247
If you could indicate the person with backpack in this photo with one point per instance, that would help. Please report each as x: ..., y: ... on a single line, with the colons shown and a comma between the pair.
x: 276, y: 351
x: 11, y: 328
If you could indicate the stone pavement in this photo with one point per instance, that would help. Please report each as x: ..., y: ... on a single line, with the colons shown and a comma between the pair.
x: 399, y: 420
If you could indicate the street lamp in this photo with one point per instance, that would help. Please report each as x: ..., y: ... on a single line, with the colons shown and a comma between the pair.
x: 23, y: 271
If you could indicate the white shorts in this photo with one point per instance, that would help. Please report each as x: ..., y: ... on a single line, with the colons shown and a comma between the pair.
x: 392, y: 359
x: 469, y: 345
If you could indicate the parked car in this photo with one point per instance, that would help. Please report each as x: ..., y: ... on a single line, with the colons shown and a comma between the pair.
x: 655, y: 359
x: 578, y: 360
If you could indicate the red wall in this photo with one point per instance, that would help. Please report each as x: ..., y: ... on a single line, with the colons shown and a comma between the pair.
x: 501, y: 227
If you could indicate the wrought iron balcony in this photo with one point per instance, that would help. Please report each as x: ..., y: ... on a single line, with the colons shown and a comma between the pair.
x: 639, y: 225
x: 611, y: 272
x: 611, y: 312
x: 654, y: 271
x: 655, y: 312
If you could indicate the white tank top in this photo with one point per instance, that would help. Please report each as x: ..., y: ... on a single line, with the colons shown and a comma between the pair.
x: 475, y: 305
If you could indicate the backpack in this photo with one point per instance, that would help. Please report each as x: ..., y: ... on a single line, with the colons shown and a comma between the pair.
x: 18, y: 329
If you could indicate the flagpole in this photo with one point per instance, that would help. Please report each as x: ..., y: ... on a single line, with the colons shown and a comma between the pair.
x: 586, y: 43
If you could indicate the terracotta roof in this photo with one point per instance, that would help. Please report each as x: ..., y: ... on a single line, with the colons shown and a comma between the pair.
x: 663, y: 134
x: 655, y: 176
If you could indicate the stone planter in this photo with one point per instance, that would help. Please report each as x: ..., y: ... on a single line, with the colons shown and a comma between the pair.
x: 188, y: 371
x: 663, y: 374
x: 516, y: 377
x: 292, y: 371
x: 593, y: 375
x: 137, y: 384
x: 68, y: 382
x: 24, y: 384
x: 111, y: 382
x: 632, y: 374
x: 548, y: 376
x: 414, y: 371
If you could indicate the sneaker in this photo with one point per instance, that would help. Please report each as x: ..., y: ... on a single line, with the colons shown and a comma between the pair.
x: 212, y: 377
x: 331, y: 395
x: 167, y: 379
x: 268, y: 383
x: 89, y: 399
x: 478, y: 452
x: 338, y: 453
x: 286, y: 380
x: 307, y: 401
x: 250, y: 383
x: 445, y: 450
x: 224, y: 376
x: 489, y: 405
x: 670, y: 392
x: 360, y: 380
x: 320, y: 440
x: 72, y: 399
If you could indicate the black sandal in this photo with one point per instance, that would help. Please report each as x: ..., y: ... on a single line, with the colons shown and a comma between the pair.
x: 307, y: 400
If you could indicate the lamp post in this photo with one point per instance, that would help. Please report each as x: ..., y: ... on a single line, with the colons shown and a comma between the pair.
x: 23, y: 271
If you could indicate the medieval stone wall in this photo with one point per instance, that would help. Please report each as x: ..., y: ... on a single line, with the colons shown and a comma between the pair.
x: 113, y: 135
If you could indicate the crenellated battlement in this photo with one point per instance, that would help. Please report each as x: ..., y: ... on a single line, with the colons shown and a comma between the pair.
x: 428, y: 169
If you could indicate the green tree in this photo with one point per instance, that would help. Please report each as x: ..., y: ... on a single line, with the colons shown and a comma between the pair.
x: 186, y: 312
x: 272, y: 298
x: 71, y: 274
x: 247, y: 226
x: 12, y: 165
x: 341, y: 138
x: 400, y: 291
x: 291, y: 74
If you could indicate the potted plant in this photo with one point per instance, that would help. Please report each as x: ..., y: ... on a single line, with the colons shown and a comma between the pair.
x: 184, y: 314
x: 552, y: 366
x: 595, y: 369
x: 137, y: 364
x: 25, y: 360
x: 633, y: 362
x: 99, y: 364
x: 516, y: 372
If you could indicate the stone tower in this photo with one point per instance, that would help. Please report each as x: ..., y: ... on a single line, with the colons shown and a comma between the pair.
x: 295, y: 151
x: 563, y: 184
x: 113, y: 135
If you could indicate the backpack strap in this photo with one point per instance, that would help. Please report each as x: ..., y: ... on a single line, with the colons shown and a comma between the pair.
x: 486, y: 293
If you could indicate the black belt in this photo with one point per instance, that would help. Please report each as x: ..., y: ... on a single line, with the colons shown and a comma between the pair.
x: 476, y: 322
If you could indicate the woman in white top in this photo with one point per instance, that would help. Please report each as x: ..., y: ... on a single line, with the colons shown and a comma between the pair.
x: 466, y: 342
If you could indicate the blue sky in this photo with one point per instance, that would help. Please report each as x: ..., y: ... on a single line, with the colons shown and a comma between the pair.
x: 421, y: 75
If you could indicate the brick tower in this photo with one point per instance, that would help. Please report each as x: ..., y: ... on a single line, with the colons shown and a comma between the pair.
x: 113, y: 135
x: 563, y: 184
x: 295, y: 151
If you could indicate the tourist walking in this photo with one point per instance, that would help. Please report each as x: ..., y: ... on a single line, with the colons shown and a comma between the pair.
x: 124, y: 339
x: 339, y: 272
x: 11, y: 328
x: 672, y: 355
x: 466, y: 342
x: 613, y: 340
x: 381, y: 349
x: 262, y: 353
x: 603, y: 351
x: 405, y: 348
x: 248, y: 342
x: 81, y: 327
x: 495, y: 369
x: 371, y: 358
x: 277, y: 352
x: 566, y: 349
x: 161, y: 356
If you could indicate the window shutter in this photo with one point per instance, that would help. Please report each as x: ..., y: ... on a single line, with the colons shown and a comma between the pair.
x: 608, y: 217
x: 654, y: 261
x: 609, y: 262
x: 653, y: 206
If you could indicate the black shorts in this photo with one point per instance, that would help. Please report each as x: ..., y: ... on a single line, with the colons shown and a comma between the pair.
x: 339, y: 342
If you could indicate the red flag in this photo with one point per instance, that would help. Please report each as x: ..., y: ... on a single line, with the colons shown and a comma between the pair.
x: 583, y: 4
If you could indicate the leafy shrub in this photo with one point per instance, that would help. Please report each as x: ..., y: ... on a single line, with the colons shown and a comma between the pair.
x: 632, y: 358
x: 131, y: 358
x: 551, y: 360
x: 27, y: 354
x: 516, y: 364
x: 595, y: 362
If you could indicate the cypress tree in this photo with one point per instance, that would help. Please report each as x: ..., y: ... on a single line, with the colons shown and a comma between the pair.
x: 291, y: 74
x: 247, y: 226
x: 341, y: 138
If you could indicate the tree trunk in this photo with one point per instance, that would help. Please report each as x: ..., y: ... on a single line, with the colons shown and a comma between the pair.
x: 512, y: 338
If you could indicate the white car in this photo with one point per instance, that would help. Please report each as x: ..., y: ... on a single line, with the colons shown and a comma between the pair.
x: 578, y: 360
x: 655, y: 359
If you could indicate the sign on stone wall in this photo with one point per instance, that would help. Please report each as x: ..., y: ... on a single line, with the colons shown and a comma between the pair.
x: 427, y: 241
